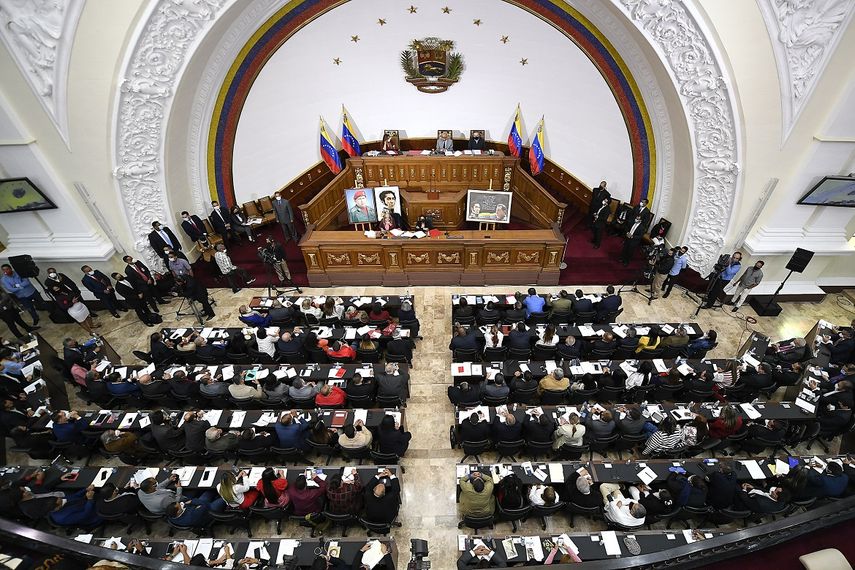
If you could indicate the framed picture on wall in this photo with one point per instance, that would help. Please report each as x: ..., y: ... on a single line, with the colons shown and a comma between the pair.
x: 360, y: 205
x: 21, y: 195
x: 476, y: 140
x: 488, y: 206
x: 390, y: 142
x: 444, y: 141
x: 387, y: 197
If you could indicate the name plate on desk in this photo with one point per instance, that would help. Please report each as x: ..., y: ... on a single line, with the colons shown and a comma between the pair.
x: 454, y: 236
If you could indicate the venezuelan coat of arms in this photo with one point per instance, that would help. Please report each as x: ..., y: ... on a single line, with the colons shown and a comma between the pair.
x: 431, y: 64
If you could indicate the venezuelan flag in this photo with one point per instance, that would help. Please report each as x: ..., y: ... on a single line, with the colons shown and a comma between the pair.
x: 514, y: 138
x: 348, y: 141
x: 328, y: 151
x: 535, y: 153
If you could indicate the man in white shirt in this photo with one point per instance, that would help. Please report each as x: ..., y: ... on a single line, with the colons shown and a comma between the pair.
x: 542, y: 495
x: 619, y: 509
x: 229, y: 269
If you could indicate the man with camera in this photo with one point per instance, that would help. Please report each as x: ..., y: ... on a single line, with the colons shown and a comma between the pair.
x: 725, y: 270
x: 681, y: 261
x: 192, y: 290
x: 274, y: 254
x: 658, y: 264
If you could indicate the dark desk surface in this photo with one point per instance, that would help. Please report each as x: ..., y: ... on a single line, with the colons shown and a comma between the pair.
x: 225, y: 419
x: 557, y: 472
x: 767, y: 410
x: 591, y: 545
x: 592, y: 331
x: 504, y: 301
x: 221, y: 335
x: 539, y: 368
x: 390, y: 302
x: 304, y: 549
x: 196, y: 477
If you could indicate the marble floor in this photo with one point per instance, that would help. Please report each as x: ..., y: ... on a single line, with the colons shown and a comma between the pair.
x: 429, y: 510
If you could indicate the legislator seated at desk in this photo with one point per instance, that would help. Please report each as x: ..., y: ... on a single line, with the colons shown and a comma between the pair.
x: 444, y: 142
x: 476, y: 141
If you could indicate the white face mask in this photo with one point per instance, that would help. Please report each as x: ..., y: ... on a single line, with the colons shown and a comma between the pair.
x: 171, y: 259
x: 185, y: 217
x: 279, y: 197
x: 90, y: 273
x: 52, y: 275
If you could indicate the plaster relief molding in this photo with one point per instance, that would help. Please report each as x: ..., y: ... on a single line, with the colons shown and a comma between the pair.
x: 223, y: 55
x: 779, y: 241
x: 702, y: 84
x: 39, y: 35
x: 153, y: 65
x: 804, y: 35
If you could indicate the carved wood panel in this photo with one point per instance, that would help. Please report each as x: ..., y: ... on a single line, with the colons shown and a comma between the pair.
x: 338, y: 259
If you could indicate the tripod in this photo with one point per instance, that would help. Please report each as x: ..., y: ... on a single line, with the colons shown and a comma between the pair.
x: 713, y: 281
x: 291, y: 286
x: 633, y: 288
x: 193, y: 310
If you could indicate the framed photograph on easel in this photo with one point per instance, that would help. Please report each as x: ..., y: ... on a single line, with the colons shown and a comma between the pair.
x: 360, y: 205
x: 488, y: 206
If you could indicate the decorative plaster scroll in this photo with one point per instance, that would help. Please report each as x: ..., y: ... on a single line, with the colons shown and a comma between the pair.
x: 39, y: 35
x: 702, y: 84
x: 804, y: 34
x: 166, y: 37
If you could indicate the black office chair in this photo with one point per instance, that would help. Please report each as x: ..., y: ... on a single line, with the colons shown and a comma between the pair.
x: 535, y: 319
x: 375, y: 528
x: 495, y: 354
x: 561, y: 317
x: 465, y: 355
x: 524, y: 396
x: 344, y: 521
x: 476, y: 523
x: 368, y: 356
x: 535, y: 449
x: 286, y: 455
x: 322, y: 449
x: 509, y: 449
x: 553, y: 397
x: 543, y: 352
x: 609, y: 317
x: 592, y: 513
x: 585, y: 317
x: 602, y: 445
x: 271, y: 514
x: 359, y: 453
x: 399, y: 358
x: 572, y: 452
x: 545, y: 512
x: 234, y: 518
x: 519, y: 354
x: 364, y: 402
x: 511, y: 515
x: 295, y: 357
x: 494, y: 401
x: 474, y: 449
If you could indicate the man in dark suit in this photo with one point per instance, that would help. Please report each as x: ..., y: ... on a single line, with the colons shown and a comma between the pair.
x: 221, y: 219
x: 598, y: 222
x: 194, y: 431
x: 135, y: 299
x: 474, y: 428
x: 193, y: 226
x: 476, y: 141
x: 462, y: 394
x: 760, y: 501
x: 506, y: 428
x: 632, y: 239
x: 760, y: 379
x: 161, y: 237
x: 643, y: 211
x: 400, y: 346
x: 580, y: 304
x: 622, y: 220
x: 721, y: 487
x: 608, y: 304
x: 463, y: 339
x: 516, y: 313
x: 843, y: 348
x: 161, y: 350
x: 520, y: 338
x: 360, y: 387
x: 290, y: 342
x: 630, y: 342
x: 101, y: 286
x: 142, y: 280
x: 285, y: 217
x: 193, y: 289
x: 598, y: 196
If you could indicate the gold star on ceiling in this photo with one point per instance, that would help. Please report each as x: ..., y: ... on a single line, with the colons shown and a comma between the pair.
x: 337, y: 61
x: 477, y: 22
x: 354, y: 39
x: 504, y: 39
x: 446, y: 10
x: 413, y: 9
x: 524, y: 61
x: 381, y: 21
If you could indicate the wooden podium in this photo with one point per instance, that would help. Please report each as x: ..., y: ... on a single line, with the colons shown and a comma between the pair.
x: 445, y: 209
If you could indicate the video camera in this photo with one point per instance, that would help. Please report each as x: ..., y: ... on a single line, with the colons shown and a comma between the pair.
x: 265, y: 252
x: 418, y: 555
x: 720, y: 265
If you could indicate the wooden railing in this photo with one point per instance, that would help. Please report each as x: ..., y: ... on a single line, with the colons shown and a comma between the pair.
x: 323, y: 210
x: 543, y: 209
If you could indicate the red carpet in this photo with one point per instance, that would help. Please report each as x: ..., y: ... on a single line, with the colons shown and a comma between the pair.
x: 585, y: 265
x: 589, y: 266
x: 245, y: 255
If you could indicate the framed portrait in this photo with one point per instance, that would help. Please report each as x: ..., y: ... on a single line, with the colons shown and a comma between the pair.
x: 21, y: 195
x: 390, y: 141
x: 479, y: 132
x: 360, y: 205
x: 387, y: 197
x: 488, y: 206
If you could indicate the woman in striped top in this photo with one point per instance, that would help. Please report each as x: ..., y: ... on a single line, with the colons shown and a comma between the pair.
x: 667, y: 440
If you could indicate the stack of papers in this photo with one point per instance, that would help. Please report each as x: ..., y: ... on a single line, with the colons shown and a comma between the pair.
x: 750, y: 411
x: 754, y: 469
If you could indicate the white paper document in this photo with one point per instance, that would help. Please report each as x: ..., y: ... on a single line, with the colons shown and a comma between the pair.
x: 610, y: 542
x: 750, y: 411
x: 754, y: 469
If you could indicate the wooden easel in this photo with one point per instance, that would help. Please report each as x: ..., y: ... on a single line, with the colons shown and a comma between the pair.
x: 486, y: 226
x: 362, y: 227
